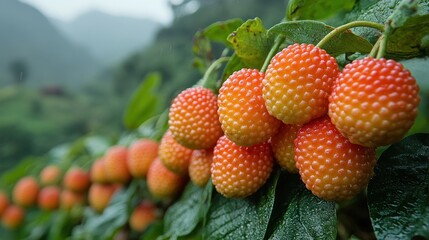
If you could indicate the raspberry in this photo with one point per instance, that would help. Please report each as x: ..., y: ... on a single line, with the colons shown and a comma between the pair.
x: 49, y: 198
x: 374, y: 102
x: 70, y: 199
x: 25, y: 192
x: 193, y: 118
x: 4, y: 202
x: 163, y: 183
x: 115, y: 164
x: 100, y: 195
x: 199, y: 168
x: 50, y: 175
x: 298, y: 82
x: 284, y: 148
x: 13, y: 217
x: 330, y: 165
x: 98, y: 172
x: 174, y: 156
x: 242, y: 112
x: 76, y: 179
x: 140, y: 156
x: 143, y: 215
x: 238, y: 171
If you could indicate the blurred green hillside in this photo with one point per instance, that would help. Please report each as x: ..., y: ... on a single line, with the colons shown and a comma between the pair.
x: 31, y: 46
x: 75, y: 101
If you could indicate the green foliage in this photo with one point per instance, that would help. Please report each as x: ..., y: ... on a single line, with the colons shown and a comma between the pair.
x: 251, y: 43
x: 308, y: 31
x: 145, y: 102
x: 300, y: 214
x: 397, y: 196
x: 316, y: 9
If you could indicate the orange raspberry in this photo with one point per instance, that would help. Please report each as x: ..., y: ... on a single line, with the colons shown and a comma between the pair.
x: 330, y: 165
x: 50, y: 175
x: 298, y: 82
x: 13, y: 217
x: 242, y: 112
x: 374, y: 102
x: 26, y: 191
x: 140, y: 156
x: 70, y: 199
x: 49, y: 198
x: 100, y: 195
x: 174, y: 156
x: 116, y: 166
x: 143, y: 215
x: 163, y: 183
x: 193, y: 118
x: 200, y: 166
x: 240, y: 171
x: 284, y: 148
x: 98, y: 172
x: 76, y: 179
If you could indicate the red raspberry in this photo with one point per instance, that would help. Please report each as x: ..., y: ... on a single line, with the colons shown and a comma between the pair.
x: 193, y: 118
x: 142, y: 216
x: 374, y: 102
x: 163, y: 183
x: 238, y: 171
x: 140, y: 156
x: 174, y: 156
x: 284, y: 148
x: 330, y: 166
x: 76, y: 179
x: 199, y: 168
x: 298, y: 82
x: 49, y: 198
x: 242, y: 112
x: 26, y: 191
x: 4, y: 202
x: 13, y: 217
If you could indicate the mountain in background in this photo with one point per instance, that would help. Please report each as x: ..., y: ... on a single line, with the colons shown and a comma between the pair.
x: 33, y: 51
x: 109, y: 38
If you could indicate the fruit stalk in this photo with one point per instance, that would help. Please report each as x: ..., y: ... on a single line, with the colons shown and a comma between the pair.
x: 212, y: 68
x: 279, y: 40
x: 347, y: 26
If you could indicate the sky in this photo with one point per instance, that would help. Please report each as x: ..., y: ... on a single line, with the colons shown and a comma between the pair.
x: 66, y: 10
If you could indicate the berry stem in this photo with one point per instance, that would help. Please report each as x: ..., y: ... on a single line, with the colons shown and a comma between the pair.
x: 279, y: 40
x: 347, y: 26
x: 212, y: 68
x: 382, y: 48
x: 375, y: 48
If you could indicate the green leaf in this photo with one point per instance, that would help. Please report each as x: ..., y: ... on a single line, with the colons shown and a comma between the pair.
x: 407, y: 40
x: 182, y: 217
x: 114, y: 216
x: 251, y: 43
x: 316, y: 9
x: 241, y: 218
x: 145, y: 102
x: 377, y: 11
x: 299, y: 214
x: 234, y: 64
x: 216, y: 32
x: 219, y: 31
x: 398, y: 194
x: 311, y: 32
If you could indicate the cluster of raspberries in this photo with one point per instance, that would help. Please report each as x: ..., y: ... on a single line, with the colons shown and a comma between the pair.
x: 303, y: 113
